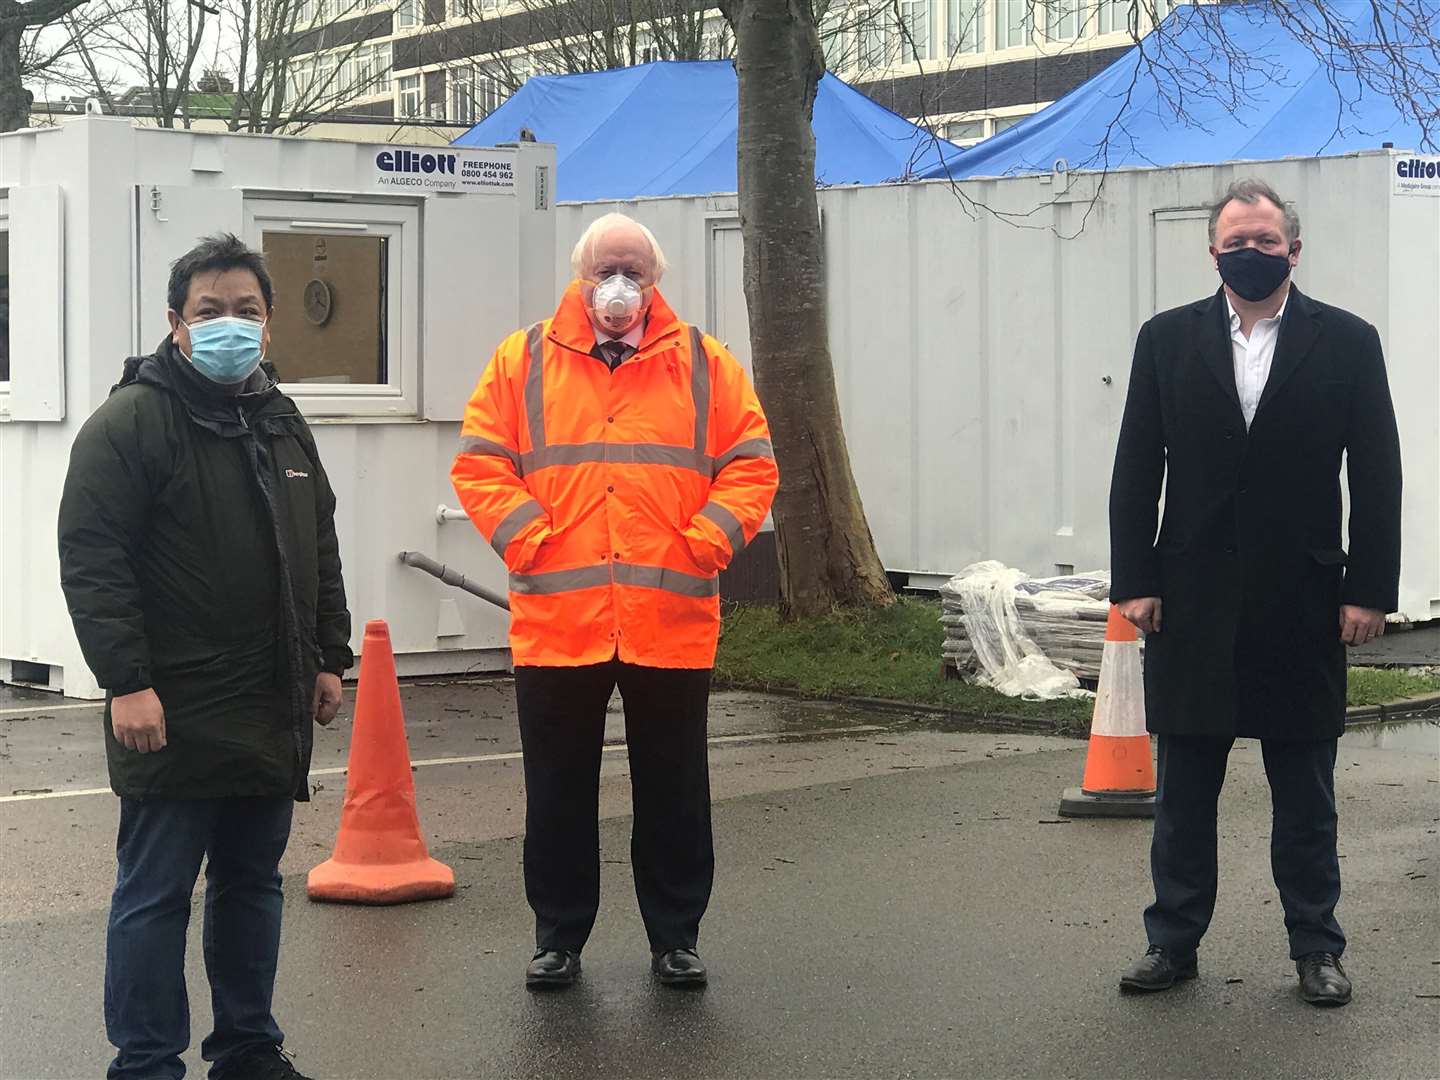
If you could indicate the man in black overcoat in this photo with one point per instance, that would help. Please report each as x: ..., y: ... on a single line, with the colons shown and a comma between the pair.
x: 1244, y: 405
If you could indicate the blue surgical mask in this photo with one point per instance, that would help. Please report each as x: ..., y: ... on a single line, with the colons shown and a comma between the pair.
x: 226, y: 350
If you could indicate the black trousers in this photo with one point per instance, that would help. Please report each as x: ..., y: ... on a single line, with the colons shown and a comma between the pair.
x: 1190, y: 773
x: 562, y: 728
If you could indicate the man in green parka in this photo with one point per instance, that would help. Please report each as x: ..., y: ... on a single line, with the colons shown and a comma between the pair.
x: 200, y: 566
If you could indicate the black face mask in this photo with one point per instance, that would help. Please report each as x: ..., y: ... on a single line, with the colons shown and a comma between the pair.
x: 1251, y: 273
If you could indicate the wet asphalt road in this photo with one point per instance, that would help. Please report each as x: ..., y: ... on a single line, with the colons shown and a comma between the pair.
x: 892, y: 900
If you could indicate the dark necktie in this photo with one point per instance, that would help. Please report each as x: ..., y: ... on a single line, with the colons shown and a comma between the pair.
x: 615, y: 353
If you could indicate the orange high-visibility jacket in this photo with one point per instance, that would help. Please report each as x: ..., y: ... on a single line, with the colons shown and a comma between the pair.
x: 615, y: 498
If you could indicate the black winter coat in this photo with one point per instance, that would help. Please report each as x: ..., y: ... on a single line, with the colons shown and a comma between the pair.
x: 1249, y: 562
x: 198, y: 557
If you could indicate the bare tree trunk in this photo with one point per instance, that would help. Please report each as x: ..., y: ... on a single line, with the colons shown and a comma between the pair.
x: 14, y: 98
x: 827, y: 555
x: 15, y: 19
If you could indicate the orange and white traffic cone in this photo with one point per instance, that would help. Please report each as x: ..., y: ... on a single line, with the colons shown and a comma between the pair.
x: 1119, y: 776
x: 380, y: 855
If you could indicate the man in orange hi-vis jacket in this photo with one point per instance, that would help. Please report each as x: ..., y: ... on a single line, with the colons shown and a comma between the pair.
x: 616, y: 458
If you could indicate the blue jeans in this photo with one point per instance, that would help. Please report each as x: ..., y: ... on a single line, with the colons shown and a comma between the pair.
x: 160, y: 846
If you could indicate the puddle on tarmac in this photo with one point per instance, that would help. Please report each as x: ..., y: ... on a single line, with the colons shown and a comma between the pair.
x: 1410, y: 736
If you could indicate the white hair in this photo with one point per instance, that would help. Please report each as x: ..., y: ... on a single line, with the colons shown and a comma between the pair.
x: 583, y: 254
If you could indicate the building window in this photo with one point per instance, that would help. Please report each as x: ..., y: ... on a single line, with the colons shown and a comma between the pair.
x: 964, y: 27
x: 371, y: 74
x: 1012, y: 23
x: 407, y: 14
x: 1113, y: 17
x: 870, y: 32
x: 490, y: 93
x: 715, y: 44
x: 346, y: 277
x: 460, y: 9
x: 410, y: 95
x: 915, y: 19
x: 1004, y: 123
x: 1062, y: 20
x: 964, y: 132
x: 835, y: 41
x: 323, y: 88
x: 462, y: 95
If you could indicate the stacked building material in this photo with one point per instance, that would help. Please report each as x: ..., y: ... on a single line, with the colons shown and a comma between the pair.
x: 1063, y: 616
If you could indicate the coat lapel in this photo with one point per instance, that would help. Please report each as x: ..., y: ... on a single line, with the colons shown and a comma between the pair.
x: 1212, y: 339
x: 1298, y: 331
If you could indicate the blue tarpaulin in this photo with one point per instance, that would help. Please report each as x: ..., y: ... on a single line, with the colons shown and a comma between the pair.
x: 1287, y: 103
x: 668, y: 128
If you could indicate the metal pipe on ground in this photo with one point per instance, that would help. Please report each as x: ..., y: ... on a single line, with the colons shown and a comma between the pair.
x: 451, y: 577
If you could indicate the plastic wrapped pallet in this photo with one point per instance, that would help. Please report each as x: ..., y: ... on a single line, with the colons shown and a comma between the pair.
x: 1063, y: 618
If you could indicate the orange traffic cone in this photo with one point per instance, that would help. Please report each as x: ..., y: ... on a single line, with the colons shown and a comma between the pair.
x: 380, y: 856
x: 1119, y: 776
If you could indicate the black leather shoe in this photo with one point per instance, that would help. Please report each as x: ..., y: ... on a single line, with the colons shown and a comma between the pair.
x: 1158, y: 969
x: 678, y: 967
x: 553, y: 969
x: 1322, y: 980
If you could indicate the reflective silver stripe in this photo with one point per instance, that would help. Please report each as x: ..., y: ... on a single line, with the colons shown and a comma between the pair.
x: 750, y: 448
x: 590, y: 577
x: 728, y: 522
x: 473, y: 444
x: 659, y: 577
x: 560, y: 581
x: 514, y: 521
x: 535, y: 386
x: 700, y: 387
x: 681, y: 457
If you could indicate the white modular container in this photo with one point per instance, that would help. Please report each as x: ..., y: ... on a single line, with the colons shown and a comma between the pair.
x: 982, y: 335
x: 93, y: 212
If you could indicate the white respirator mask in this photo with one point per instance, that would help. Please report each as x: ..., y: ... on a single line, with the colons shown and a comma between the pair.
x: 616, y: 302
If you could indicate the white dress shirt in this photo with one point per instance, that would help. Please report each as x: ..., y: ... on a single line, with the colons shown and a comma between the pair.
x: 633, y: 338
x: 1253, y: 357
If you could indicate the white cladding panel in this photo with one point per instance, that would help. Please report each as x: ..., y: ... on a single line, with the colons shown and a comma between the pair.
x: 135, y: 199
x: 982, y: 337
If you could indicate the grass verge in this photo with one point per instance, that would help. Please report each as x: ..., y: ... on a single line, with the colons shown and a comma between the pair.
x: 895, y: 654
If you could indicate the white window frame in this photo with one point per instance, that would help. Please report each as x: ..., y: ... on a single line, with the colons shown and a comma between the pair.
x: 401, y: 90
x: 1113, y: 16
x: 916, y: 47
x: 967, y: 140
x: 407, y: 14
x: 870, y: 43
x: 1064, y: 20
x: 460, y: 92
x: 382, y: 68
x: 964, y: 27
x: 1003, y: 11
x: 489, y: 93
x: 399, y: 397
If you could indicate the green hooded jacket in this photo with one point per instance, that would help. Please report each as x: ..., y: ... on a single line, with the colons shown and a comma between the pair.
x: 198, y: 558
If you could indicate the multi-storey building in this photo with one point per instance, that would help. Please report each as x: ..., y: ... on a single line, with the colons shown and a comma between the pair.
x: 965, y: 68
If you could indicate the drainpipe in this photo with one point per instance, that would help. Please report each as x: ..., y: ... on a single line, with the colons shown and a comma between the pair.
x: 452, y: 577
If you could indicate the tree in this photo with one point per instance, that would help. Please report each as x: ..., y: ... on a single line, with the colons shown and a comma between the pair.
x: 17, y: 21
x: 827, y: 554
